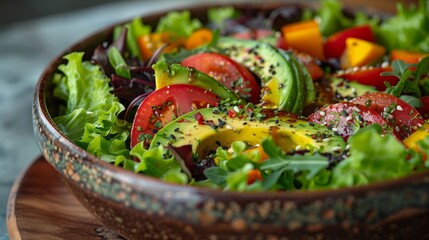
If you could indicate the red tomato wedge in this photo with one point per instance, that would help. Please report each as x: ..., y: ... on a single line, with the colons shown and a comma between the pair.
x: 403, y: 117
x: 233, y: 75
x: 336, y: 43
x: 370, y: 77
x: 346, y: 118
x: 166, y: 104
x: 254, y: 34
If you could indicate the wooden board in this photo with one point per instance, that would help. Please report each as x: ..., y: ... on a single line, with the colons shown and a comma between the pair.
x: 41, y: 207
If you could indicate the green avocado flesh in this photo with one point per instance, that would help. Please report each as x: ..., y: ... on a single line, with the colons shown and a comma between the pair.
x: 284, y: 80
x: 218, y: 129
x: 345, y: 90
x: 166, y: 74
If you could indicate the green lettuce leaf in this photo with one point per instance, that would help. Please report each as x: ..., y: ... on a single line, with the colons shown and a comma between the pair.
x: 90, y: 117
x: 407, y: 30
x: 157, y: 162
x: 179, y: 23
x: 373, y: 158
x: 332, y: 18
x: 218, y: 15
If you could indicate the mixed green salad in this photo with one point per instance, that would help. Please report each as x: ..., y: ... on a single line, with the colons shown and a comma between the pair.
x: 291, y: 99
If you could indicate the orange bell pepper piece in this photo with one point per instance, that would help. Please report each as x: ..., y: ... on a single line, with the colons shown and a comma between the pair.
x: 360, y: 53
x: 149, y: 43
x: 407, y: 56
x: 304, y: 37
x: 259, y: 150
x: 199, y: 38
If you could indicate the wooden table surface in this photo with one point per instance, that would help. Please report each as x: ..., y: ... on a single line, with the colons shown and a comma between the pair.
x: 27, y: 47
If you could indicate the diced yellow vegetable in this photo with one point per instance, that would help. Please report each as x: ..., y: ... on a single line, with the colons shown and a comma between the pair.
x: 199, y: 38
x: 359, y: 52
x: 420, y: 134
x: 149, y: 43
x: 304, y: 37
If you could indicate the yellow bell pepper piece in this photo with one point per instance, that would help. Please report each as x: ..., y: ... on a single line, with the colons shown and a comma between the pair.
x: 420, y: 134
x: 304, y: 37
x: 359, y: 52
x: 149, y: 43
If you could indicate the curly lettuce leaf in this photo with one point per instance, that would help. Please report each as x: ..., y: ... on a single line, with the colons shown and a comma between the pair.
x: 370, y: 152
x: 332, y: 18
x: 407, y: 30
x: 179, y: 23
x: 157, y: 162
x: 218, y: 15
x: 90, y: 117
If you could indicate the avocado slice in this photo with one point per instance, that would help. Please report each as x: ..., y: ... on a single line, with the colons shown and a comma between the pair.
x: 279, y: 83
x: 333, y: 90
x: 345, y: 90
x: 166, y: 74
x: 209, y: 128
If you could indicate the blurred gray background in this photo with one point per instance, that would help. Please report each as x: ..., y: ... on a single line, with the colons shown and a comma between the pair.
x: 20, y: 10
x: 32, y: 33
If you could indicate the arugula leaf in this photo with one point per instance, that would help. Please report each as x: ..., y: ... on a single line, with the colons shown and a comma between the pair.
x: 273, y: 177
x: 280, y: 164
x: 298, y: 163
x: 272, y: 150
x: 413, y: 101
x: 216, y: 175
x: 422, y: 68
x: 411, y: 80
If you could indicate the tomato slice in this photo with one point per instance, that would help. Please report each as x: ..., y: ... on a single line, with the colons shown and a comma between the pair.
x: 164, y: 105
x: 336, y: 43
x: 370, y: 76
x: 254, y: 34
x: 346, y: 118
x: 233, y: 75
x: 403, y: 117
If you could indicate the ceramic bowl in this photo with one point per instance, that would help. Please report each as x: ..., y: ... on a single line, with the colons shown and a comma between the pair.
x: 141, y: 207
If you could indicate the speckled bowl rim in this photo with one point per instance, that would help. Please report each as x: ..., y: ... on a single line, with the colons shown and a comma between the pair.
x: 140, y: 180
